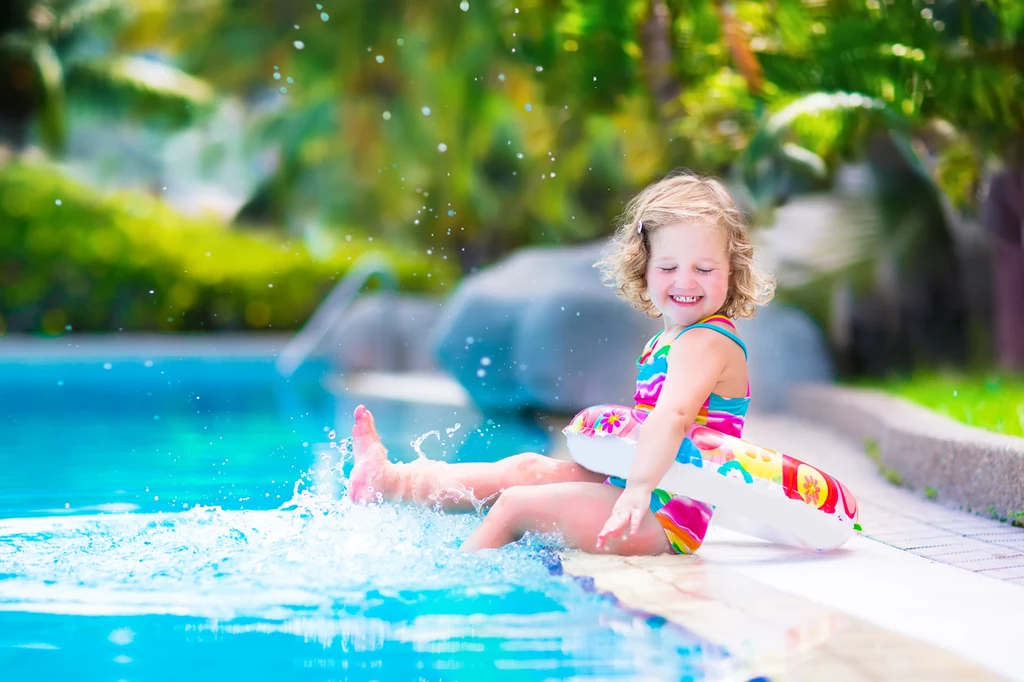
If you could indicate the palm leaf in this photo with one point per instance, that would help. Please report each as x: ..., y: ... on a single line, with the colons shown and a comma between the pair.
x: 143, y: 86
x: 52, y: 123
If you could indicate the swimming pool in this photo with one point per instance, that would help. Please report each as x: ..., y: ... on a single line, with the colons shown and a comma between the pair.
x: 163, y: 515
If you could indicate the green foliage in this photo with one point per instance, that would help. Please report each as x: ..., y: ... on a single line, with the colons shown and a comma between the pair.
x: 70, y: 257
x: 61, y: 52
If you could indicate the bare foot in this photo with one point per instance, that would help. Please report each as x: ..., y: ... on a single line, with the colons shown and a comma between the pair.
x: 372, y: 472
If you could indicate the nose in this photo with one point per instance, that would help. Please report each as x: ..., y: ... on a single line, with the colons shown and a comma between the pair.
x: 685, y: 282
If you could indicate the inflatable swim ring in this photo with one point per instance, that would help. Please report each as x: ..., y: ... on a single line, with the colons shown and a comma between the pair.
x: 754, y: 490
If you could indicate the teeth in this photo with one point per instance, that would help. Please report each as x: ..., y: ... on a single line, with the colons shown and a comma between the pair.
x: 685, y: 299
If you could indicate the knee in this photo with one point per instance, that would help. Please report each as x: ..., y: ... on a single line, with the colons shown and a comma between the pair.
x: 531, y: 467
x: 510, y: 503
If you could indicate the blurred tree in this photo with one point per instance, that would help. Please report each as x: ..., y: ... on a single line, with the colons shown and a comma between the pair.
x: 931, y: 94
x: 53, y: 51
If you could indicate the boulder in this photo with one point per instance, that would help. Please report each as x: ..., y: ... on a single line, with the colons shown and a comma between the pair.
x: 539, y: 330
x: 785, y: 348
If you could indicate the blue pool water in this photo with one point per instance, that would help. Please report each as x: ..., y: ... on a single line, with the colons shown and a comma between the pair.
x: 163, y: 517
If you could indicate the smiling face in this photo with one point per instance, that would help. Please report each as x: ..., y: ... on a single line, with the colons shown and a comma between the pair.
x: 688, y: 272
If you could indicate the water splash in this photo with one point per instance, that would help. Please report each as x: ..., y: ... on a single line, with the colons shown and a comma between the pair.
x: 418, y: 442
x: 315, y: 555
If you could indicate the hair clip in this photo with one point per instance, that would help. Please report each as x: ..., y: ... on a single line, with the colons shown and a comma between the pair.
x: 640, y: 227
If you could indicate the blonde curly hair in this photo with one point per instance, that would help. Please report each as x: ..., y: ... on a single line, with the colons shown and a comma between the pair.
x: 683, y: 197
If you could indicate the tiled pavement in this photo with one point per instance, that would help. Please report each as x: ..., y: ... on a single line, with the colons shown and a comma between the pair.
x: 896, y: 516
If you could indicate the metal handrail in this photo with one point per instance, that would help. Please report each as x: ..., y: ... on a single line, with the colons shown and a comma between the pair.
x: 302, y: 345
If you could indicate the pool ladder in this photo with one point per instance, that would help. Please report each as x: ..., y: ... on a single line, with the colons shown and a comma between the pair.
x: 312, y: 333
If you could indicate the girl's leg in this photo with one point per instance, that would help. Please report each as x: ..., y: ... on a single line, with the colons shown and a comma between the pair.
x: 577, y: 510
x: 452, y: 486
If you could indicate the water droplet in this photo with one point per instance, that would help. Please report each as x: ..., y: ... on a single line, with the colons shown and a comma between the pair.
x: 107, y: 365
x: 501, y: 77
x: 67, y: 327
x: 540, y: 68
x: 284, y: 90
x: 299, y: 45
x: 450, y: 212
x: 148, y: 363
x: 290, y: 79
x: 401, y: 41
x: 470, y: 339
x: 464, y: 6
x: 277, y: 75
x: 332, y: 435
x: 519, y: 155
x: 517, y: 10
x: 57, y: 202
x: 485, y: 361
x: 386, y: 115
x: 528, y: 107
x: 425, y: 111
x: 430, y: 252
x: 60, y: 383
x: 275, y: 67
x: 442, y: 147
x: 481, y: 372
x: 379, y: 58
x: 319, y: 6
x: 324, y: 16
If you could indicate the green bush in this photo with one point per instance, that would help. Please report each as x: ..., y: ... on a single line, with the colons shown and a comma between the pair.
x: 70, y: 257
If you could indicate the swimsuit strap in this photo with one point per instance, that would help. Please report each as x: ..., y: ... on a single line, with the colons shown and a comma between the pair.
x: 648, y: 349
x: 704, y: 324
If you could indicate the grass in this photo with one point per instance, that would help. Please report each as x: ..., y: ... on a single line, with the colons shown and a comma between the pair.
x: 991, y: 402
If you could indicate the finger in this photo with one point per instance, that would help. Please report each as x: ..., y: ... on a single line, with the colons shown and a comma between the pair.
x: 612, y: 527
x: 634, y: 521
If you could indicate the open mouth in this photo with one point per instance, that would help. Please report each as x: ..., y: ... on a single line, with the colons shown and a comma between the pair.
x: 686, y: 300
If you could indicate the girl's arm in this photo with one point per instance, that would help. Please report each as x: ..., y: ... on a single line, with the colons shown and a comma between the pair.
x: 696, y: 362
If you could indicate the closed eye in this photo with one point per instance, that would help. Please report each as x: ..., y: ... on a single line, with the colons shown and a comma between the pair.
x: 672, y: 269
x: 704, y: 272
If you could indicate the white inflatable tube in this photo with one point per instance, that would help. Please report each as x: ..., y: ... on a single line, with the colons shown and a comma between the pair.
x: 753, y: 490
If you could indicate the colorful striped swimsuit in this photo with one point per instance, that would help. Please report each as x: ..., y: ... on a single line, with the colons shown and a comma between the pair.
x: 685, y: 520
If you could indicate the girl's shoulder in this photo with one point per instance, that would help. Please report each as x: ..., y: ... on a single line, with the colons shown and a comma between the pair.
x: 720, y: 324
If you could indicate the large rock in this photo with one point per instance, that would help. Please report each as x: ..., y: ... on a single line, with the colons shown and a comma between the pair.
x: 539, y: 330
x: 785, y: 348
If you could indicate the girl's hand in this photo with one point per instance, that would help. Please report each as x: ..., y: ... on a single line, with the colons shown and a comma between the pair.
x: 628, y: 511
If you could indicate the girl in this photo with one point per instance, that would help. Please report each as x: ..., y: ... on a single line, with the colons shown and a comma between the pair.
x: 682, y: 253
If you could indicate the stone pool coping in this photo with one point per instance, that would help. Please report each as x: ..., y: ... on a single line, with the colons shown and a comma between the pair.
x: 978, y: 470
x: 769, y: 633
